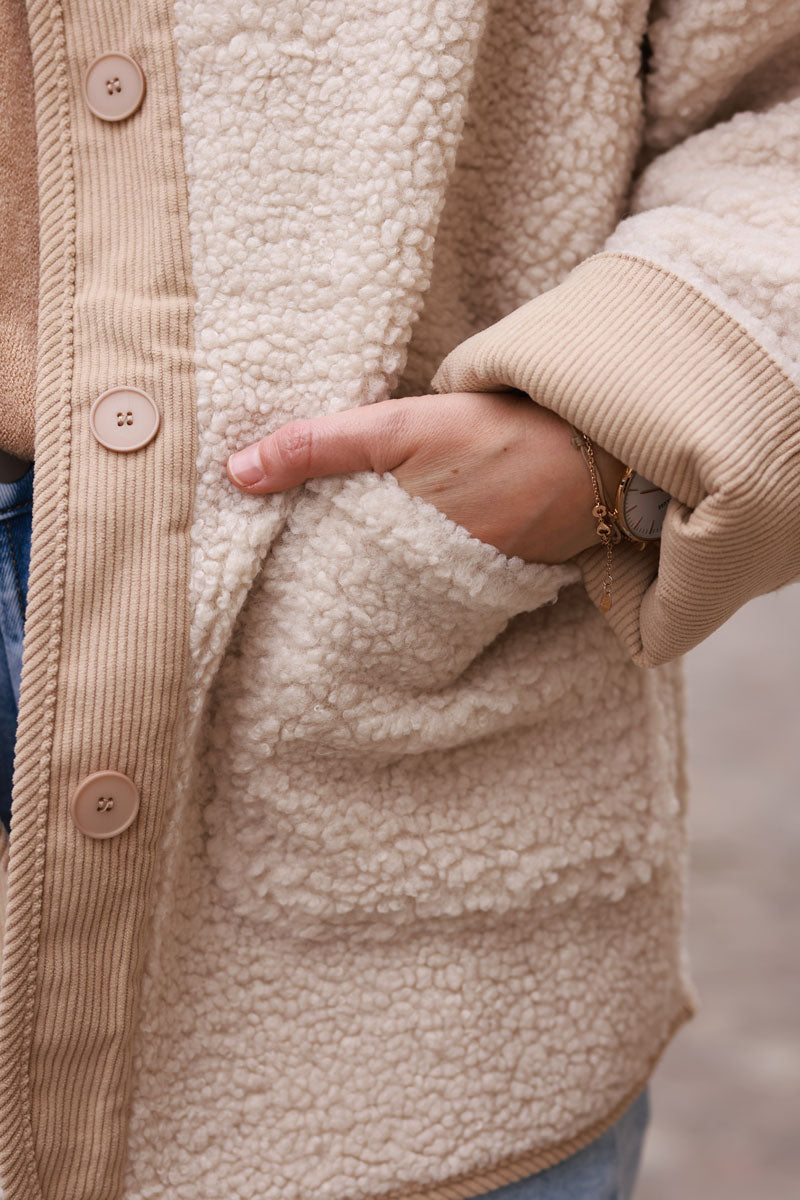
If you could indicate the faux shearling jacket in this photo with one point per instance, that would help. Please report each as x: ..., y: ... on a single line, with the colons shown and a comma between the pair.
x: 399, y: 910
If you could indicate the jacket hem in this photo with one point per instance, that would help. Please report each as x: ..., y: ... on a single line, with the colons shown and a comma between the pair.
x: 472, y: 1185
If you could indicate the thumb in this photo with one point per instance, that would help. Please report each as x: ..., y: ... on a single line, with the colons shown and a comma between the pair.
x: 374, y: 437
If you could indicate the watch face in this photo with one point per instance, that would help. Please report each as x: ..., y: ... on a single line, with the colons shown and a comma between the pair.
x: 644, y: 507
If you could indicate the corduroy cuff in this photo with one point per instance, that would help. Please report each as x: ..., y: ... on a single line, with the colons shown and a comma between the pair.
x: 662, y: 378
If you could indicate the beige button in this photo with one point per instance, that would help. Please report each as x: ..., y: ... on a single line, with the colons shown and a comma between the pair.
x: 104, y: 803
x: 124, y: 418
x: 113, y: 86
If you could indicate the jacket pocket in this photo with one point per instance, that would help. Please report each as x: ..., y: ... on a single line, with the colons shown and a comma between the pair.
x: 372, y: 651
x: 370, y: 588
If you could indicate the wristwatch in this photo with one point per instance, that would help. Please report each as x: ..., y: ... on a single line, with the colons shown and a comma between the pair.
x: 639, y: 508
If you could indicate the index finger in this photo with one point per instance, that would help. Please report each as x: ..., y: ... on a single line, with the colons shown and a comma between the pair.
x: 373, y: 437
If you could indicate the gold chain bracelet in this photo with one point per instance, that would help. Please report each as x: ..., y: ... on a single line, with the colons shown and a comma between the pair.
x: 608, y: 531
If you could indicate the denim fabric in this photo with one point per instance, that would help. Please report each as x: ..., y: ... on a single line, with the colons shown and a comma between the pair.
x: 16, y: 508
x: 603, y: 1170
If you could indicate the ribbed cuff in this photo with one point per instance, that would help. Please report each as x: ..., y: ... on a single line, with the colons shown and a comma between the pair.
x: 662, y: 378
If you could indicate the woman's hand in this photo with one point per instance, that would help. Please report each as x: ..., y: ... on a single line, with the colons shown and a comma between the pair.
x: 494, y: 462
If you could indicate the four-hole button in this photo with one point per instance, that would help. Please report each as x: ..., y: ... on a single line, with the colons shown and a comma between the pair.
x: 124, y: 418
x: 113, y: 86
x: 104, y: 803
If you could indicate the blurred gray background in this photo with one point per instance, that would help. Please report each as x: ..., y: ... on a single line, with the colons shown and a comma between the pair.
x: 726, y: 1096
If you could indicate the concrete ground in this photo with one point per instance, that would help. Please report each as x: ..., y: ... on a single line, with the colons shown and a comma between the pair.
x: 726, y: 1097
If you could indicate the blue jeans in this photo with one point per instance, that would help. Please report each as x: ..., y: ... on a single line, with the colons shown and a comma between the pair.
x: 16, y: 508
x: 603, y: 1170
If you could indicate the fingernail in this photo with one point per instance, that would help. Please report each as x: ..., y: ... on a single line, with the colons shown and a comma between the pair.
x: 245, y: 465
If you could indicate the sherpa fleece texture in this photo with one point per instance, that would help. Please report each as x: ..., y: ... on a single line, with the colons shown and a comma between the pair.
x: 413, y: 920
x: 401, y: 913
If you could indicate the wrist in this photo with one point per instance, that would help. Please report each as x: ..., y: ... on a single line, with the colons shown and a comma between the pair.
x: 610, y: 471
x: 605, y: 485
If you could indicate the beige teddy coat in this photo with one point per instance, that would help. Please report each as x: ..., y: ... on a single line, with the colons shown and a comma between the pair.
x: 401, y: 911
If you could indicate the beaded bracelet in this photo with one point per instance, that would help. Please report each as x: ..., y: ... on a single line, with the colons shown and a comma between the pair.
x: 608, y: 531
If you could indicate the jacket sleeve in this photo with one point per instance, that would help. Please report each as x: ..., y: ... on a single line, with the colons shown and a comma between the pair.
x: 677, y: 347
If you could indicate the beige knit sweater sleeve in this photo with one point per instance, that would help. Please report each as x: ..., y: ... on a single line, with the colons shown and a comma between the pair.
x: 19, y: 233
x: 678, y: 346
